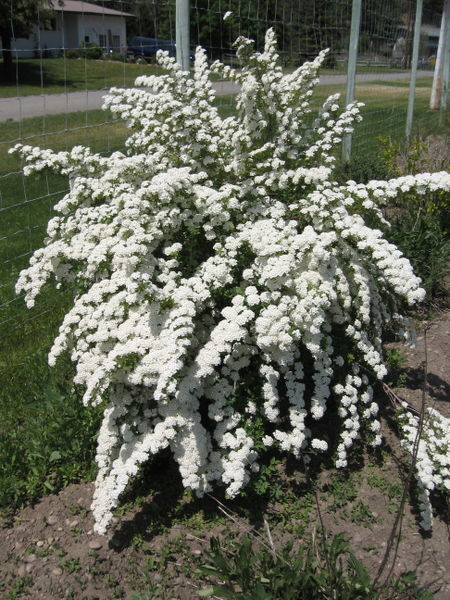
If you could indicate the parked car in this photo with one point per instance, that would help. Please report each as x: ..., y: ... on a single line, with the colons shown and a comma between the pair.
x: 144, y: 48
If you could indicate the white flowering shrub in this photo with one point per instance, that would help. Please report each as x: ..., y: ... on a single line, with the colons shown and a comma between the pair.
x: 432, y: 464
x: 215, y: 258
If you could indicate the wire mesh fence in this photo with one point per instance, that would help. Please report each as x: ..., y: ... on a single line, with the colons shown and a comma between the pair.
x: 58, y: 63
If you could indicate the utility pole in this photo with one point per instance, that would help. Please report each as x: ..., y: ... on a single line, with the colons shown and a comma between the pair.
x: 182, y: 33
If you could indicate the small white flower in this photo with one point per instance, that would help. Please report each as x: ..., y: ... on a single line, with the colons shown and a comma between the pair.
x: 319, y: 445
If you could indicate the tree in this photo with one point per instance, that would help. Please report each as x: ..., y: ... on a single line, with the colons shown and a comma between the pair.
x: 17, y: 18
x: 436, y: 90
x: 303, y: 29
x: 153, y: 19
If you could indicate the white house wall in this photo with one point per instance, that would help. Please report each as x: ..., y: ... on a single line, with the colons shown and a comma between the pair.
x: 93, y: 26
x: 70, y: 32
x: 48, y: 41
x: 69, y: 24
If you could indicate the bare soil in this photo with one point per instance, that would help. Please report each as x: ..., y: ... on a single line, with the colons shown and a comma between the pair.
x: 49, y: 551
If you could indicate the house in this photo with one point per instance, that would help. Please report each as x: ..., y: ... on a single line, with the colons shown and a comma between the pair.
x: 430, y: 40
x: 75, y: 23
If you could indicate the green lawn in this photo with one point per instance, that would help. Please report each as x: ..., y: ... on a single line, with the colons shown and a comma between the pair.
x: 39, y: 406
x: 56, y: 75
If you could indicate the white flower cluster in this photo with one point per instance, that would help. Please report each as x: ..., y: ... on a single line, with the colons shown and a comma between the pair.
x: 224, y: 278
x: 432, y: 467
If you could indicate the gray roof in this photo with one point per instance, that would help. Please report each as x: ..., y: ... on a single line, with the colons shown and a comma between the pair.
x: 77, y: 6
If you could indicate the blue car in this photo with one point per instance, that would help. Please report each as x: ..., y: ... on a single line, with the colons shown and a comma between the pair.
x: 145, y: 49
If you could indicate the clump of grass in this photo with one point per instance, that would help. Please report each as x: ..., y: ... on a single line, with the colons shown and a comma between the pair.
x: 426, y: 243
x: 322, y: 568
x: 33, y: 460
x: 420, y: 225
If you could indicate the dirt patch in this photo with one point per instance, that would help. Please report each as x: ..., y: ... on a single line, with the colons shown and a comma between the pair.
x: 49, y: 551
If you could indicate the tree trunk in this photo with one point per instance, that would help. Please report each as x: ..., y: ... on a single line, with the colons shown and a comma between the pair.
x: 436, y: 90
x: 8, y: 67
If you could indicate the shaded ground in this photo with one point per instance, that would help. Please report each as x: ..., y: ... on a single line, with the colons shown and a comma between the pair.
x: 50, y: 552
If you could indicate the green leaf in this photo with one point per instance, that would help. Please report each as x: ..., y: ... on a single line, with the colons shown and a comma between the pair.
x: 54, y: 456
x: 224, y: 592
x: 259, y: 593
x: 206, y: 592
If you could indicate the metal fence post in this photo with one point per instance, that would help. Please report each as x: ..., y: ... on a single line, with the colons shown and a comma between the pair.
x: 414, y: 62
x: 351, y: 71
x: 182, y: 33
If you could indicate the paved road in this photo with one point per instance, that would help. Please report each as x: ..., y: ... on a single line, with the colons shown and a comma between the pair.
x: 49, y: 104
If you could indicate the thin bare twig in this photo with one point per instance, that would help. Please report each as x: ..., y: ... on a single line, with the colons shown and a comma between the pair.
x: 323, y: 533
x: 394, y: 537
x: 249, y: 531
x: 398, y: 402
x: 269, y: 537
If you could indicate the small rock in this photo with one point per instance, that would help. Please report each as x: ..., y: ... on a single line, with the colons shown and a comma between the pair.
x: 157, y: 578
x: 30, y: 558
x: 59, y: 529
x: 95, y: 545
x: 29, y: 568
x: 190, y: 537
x: 197, y: 552
x: 57, y: 571
x: 51, y: 520
x: 50, y: 540
x: 21, y: 571
x: 39, y: 544
x: 73, y: 523
x: 375, y: 514
x: 89, y: 532
x: 357, y: 538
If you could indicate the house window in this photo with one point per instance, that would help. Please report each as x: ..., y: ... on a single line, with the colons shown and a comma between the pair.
x: 86, y: 39
x: 102, y: 41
